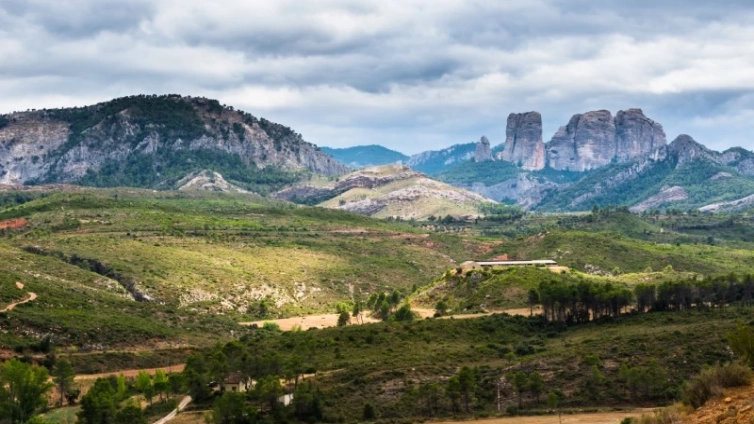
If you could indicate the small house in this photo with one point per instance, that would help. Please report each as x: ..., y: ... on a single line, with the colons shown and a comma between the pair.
x: 236, y: 382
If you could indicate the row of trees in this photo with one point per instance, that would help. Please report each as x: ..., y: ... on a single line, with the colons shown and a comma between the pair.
x: 582, y: 301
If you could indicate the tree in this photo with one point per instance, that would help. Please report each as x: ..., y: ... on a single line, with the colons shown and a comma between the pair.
x: 453, y: 389
x: 404, y: 313
x: 63, y: 375
x: 430, y: 394
x: 343, y: 319
x: 161, y: 384
x: 520, y: 383
x: 368, y: 413
x: 22, y: 390
x: 467, y: 386
x: 176, y: 382
x: 99, y: 404
x: 130, y: 414
x: 231, y: 408
x: 441, y: 308
x: 356, y: 313
x: 741, y: 341
x: 533, y: 299
x: 268, y: 390
x: 553, y: 401
x: 143, y: 384
x: 536, y: 384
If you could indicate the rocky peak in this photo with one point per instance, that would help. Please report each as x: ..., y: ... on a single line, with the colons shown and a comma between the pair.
x: 483, y: 150
x: 686, y: 150
x: 587, y: 142
x: 523, y: 141
x: 636, y: 135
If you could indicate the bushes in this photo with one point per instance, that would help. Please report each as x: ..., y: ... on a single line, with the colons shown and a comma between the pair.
x: 711, y: 381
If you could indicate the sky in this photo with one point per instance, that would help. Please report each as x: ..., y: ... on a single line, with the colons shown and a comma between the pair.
x: 407, y: 74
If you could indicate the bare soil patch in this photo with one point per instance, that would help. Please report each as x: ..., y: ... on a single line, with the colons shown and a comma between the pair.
x: 13, y: 224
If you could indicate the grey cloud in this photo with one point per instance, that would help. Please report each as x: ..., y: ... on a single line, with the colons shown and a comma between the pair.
x: 400, y: 73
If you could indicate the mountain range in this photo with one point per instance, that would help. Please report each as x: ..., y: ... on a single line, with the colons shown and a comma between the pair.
x: 170, y: 142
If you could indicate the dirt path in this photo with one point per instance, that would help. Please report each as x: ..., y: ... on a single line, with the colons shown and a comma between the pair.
x: 594, y: 418
x: 12, y: 306
x: 307, y: 322
x: 185, y: 401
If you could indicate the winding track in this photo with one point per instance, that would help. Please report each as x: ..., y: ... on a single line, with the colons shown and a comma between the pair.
x: 10, y: 307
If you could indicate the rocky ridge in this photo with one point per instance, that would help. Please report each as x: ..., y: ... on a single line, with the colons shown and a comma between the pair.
x: 66, y: 145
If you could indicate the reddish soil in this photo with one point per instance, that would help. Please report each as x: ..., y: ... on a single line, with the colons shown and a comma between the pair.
x: 13, y: 224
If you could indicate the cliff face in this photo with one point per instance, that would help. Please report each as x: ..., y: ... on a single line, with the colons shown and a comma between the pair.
x: 587, y: 142
x: 523, y: 141
x: 595, y: 139
x: 159, y: 136
x: 636, y: 134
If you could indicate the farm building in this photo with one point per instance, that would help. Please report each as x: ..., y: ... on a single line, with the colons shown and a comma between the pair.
x: 506, y: 264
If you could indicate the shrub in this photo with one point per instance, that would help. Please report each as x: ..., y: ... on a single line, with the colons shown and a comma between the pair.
x: 711, y: 381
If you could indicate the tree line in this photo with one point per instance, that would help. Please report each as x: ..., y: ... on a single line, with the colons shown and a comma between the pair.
x: 584, y: 300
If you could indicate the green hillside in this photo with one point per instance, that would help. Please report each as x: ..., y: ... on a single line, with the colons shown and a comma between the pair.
x: 202, y: 257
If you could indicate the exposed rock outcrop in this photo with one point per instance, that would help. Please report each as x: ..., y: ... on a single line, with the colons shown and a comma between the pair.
x: 636, y: 135
x: 665, y: 196
x: 207, y: 181
x: 483, y: 150
x: 525, y: 190
x: 595, y: 139
x: 523, y: 141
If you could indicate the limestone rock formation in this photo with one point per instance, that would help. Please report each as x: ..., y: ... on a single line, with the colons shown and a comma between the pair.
x: 483, y: 150
x: 587, y: 142
x: 595, y: 139
x: 636, y: 135
x: 523, y: 141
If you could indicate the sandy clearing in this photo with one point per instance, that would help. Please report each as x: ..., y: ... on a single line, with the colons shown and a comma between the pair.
x: 12, y: 306
x: 19, y: 285
x: 593, y: 418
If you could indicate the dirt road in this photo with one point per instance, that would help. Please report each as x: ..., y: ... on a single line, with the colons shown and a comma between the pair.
x: 10, y: 307
x: 185, y: 401
x: 130, y: 373
x: 595, y: 418
x: 307, y: 322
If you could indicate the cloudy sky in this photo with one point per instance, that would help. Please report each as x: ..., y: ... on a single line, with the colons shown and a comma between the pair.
x: 408, y: 74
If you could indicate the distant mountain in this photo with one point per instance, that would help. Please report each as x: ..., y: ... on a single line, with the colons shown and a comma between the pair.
x: 433, y: 162
x: 389, y: 191
x: 683, y: 174
x: 363, y: 156
x: 154, y: 141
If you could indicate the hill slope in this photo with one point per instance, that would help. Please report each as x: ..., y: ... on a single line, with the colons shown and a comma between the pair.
x: 362, y: 156
x: 390, y: 191
x: 152, y: 141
